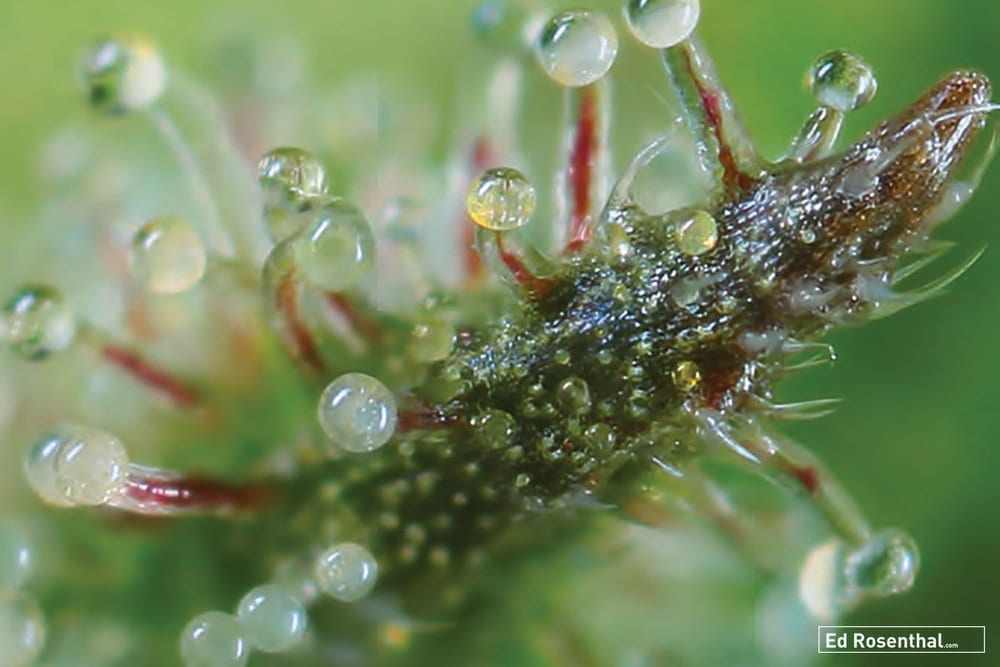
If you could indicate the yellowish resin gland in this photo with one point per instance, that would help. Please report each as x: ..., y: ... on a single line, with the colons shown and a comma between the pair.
x: 124, y: 74
x: 698, y: 234
x: 501, y: 199
x: 167, y: 256
x: 686, y: 376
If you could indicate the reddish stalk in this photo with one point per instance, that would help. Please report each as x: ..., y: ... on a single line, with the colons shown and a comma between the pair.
x: 155, y: 378
x: 521, y: 273
x: 154, y: 495
x: 303, y: 345
x: 581, y: 170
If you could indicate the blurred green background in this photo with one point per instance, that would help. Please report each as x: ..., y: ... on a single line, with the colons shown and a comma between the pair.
x: 915, y: 441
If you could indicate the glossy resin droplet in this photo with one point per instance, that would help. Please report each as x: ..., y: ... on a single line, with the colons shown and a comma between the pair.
x: 37, y: 323
x: 346, y: 572
x: 293, y: 169
x: 272, y: 619
x: 213, y: 639
x: 167, y: 256
x: 501, y: 199
x: 40, y: 466
x: 431, y: 340
x: 834, y: 578
x: 842, y: 80
x: 495, y: 429
x: 886, y: 565
x: 336, y: 249
x: 15, y: 557
x: 697, y: 234
x: 358, y: 413
x: 686, y: 376
x: 573, y: 396
x: 90, y: 466
x: 124, y: 74
x: 22, y: 629
x: 578, y: 47
x: 662, y: 23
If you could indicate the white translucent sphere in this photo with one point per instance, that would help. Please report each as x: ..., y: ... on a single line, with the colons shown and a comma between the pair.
x: 124, y: 74
x: 22, y: 629
x: 336, y: 249
x: 90, y: 466
x: 357, y: 412
x: 886, y: 565
x: 40, y: 465
x: 576, y: 48
x: 292, y: 169
x: 842, y: 80
x: 167, y: 256
x: 822, y: 583
x: 272, y: 618
x: 37, y: 323
x: 213, y: 639
x: 15, y: 557
x: 662, y: 23
x: 346, y: 572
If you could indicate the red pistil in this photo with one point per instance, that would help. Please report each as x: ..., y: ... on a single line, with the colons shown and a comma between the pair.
x: 808, y: 477
x: 151, y: 376
x: 581, y: 169
x: 523, y: 275
x: 196, y: 493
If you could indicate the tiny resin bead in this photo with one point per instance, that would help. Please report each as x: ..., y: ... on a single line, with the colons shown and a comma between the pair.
x: 167, y: 256
x: 662, y: 23
x: 40, y: 465
x: 292, y: 169
x: 346, y: 572
x: 501, y: 199
x: 357, y: 412
x: 15, y: 557
x: 495, y: 428
x: 573, y: 395
x: 431, y: 340
x: 698, y: 234
x: 337, y: 248
x: 600, y: 436
x: 577, y: 47
x: 272, y: 618
x: 686, y: 375
x: 37, y: 323
x: 90, y: 466
x: 22, y: 629
x: 214, y: 639
x: 842, y: 80
x: 124, y: 74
